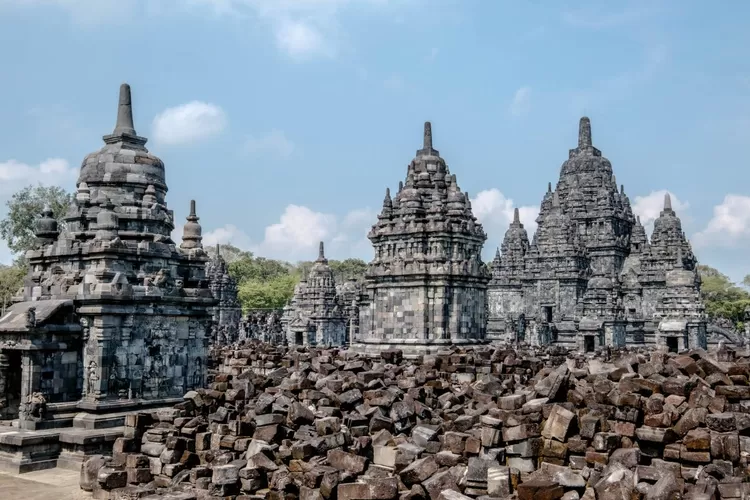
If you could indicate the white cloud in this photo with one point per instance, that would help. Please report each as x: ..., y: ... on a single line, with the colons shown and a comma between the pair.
x: 189, y: 122
x: 300, y: 39
x: 298, y: 232
x: 15, y: 175
x: 650, y: 206
x: 275, y: 142
x: 521, y: 102
x: 302, y: 28
x: 300, y: 229
x: 730, y: 224
x: 495, y: 211
x: 228, y: 234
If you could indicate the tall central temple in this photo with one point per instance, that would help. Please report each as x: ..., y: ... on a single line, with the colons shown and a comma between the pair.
x: 590, y: 276
x: 426, y: 287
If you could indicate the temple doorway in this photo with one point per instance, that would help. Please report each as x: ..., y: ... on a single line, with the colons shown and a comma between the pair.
x: 547, y: 313
x: 298, y: 338
x: 12, y: 385
x: 672, y: 344
x: 588, y: 343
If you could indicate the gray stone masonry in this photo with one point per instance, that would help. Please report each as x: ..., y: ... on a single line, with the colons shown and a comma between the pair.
x: 590, y: 276
x: 227, y: 315
x: 112, y: 312
x: 426, y: 286
x: 315, y: 315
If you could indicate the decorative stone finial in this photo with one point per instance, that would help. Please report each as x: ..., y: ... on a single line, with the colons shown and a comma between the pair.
x: 622, y: 188
x: 46, y: 226
x: 192, y: 233
x: 516, y: 216
x: 400, y: 186
x: 321, y: 252
x: 124, y: 124
x: 555, y: 200
x: 387, y: 202
x: 218, y: 250
x: 427, y: 149
x: 549, y: 187
x: 584, y: 133
x: 638, y: 219
x: 667, y: 202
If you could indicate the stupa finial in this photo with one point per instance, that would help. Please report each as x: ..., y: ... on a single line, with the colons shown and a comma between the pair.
x: 124, y: 125
x: 516, y: 216
x: 584, y: 133
x: 667, y: 202
x: 321, y: 251
x: 427, y: 135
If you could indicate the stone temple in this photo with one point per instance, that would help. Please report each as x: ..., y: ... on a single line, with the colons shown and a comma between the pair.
x: 113, y: 315
x: 315, y: 315
x: 426, y: 286
x: 227, y: 315
x: 590, y: 276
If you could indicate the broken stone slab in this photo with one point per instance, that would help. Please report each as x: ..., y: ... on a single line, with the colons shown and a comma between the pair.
x: 539, y: 490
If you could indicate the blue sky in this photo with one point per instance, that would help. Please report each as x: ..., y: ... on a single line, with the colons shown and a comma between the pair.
x: 287, y: 119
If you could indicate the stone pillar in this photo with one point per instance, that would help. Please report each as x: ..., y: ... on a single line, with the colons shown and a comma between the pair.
x: 4, y: 365
x: 31, y: 372
x: 98, y: 358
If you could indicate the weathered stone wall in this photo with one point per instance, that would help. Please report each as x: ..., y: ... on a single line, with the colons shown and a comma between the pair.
x: 426, y: 312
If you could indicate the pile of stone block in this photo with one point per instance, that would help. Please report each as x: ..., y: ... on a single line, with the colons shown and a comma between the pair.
x: 329, y: 425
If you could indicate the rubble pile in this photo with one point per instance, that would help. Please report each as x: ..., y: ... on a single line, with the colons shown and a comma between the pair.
x: 486, y: 423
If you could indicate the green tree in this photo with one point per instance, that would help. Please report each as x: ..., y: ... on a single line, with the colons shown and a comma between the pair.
x: 746, y: 281
x: 11, y: 279
x: 249, y: 268
x: 347, y: 269
x: 722, y: 297
x: 271, y: 294
x: 24, y: 207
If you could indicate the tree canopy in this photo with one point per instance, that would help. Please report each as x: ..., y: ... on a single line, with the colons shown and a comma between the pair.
x: 722, y: 297
x: 11, y: 279
x: 24, y: 207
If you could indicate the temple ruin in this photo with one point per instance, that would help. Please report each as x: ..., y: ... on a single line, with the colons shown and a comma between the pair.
x: 113, y: 316
x: 590, y: 276
x: 227, y: 315
x: 315, y: 315
x: 426, y: 286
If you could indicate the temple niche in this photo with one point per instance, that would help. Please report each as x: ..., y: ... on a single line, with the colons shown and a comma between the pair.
x: 227, y: 315
x: 315, y: 315
x: 426, y: 286
x: 113, y: 315
x: 590, y: 277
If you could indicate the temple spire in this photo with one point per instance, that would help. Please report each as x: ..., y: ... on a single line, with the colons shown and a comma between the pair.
x: 427, y: 149
x: 549, y: 187
x: 667, y: 202
x: 584, y: 133
x: 427, y: 135
x: 516, y: 216
x: 124, y: 124
x: 555, y: 200
x: 321, y: 252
